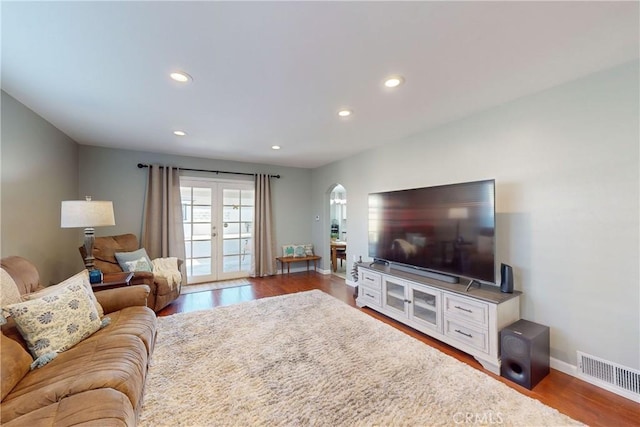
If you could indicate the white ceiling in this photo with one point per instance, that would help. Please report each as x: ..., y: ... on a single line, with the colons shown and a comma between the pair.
x: 277, y: 72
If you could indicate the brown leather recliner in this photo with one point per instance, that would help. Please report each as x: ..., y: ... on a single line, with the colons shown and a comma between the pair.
x: 104, y: 249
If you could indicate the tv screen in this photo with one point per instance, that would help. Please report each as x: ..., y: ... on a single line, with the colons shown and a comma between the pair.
x: 448, y: 229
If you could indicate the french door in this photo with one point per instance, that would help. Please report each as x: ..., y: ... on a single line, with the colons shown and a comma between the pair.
x: 218, y: 228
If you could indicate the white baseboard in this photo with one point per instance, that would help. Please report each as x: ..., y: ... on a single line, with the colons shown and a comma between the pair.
x: 564, y: 367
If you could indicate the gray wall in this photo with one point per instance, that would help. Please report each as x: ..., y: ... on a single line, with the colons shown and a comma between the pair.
x: 39, y: 170
x: 566, y: 164
x: 112, y: 174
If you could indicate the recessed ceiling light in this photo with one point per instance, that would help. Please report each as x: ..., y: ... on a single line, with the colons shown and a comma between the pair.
x: 275, y: 147
x: 394, y: 81
x: 179, y: 132
x: 345, y: 113
x: 181, y: 76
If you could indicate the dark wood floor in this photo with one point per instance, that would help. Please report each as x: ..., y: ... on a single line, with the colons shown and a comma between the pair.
x: 582, y: 401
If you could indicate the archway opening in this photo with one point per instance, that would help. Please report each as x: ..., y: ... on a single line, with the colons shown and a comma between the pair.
x: 338, y: 230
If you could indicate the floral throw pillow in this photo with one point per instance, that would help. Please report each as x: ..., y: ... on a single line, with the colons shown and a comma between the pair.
x: 125, y: 257
x: 79, y: 278
x: 140, y: 264
x: 55, y: 322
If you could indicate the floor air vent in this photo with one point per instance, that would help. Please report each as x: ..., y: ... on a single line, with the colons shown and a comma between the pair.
x: 611, y: 376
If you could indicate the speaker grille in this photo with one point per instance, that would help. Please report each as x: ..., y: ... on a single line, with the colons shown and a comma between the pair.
x: 514, y: 346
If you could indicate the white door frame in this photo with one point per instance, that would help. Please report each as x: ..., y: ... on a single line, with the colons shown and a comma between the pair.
x: 217, y: 225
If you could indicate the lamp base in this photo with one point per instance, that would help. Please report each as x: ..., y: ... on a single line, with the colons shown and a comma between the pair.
x: 89, y: 239
x: 95, y: 276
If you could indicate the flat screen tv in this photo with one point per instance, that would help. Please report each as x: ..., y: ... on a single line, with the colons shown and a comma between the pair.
x: 446, y: 229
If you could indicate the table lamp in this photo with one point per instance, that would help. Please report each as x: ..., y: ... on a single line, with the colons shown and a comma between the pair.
x: 88, y: 214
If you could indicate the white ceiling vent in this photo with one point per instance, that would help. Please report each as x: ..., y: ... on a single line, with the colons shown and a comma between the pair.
x: 610, y: 376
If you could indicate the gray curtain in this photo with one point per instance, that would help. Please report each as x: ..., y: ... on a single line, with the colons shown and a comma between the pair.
x: 264, y: 262
x: 162, y: 229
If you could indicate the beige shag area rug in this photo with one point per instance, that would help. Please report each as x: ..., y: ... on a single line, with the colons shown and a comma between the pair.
x: 202, y: 287
x: 308, y: 359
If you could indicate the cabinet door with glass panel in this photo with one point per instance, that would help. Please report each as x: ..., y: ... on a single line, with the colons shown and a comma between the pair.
x: 419, y: 304
x: 394, y: 296
x: 424, y: 306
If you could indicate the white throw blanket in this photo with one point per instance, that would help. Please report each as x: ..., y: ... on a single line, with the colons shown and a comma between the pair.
x: 167, y: 268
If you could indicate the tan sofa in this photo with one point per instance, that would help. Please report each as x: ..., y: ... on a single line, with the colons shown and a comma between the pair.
x: 99, y: 381
x: 104, y: 249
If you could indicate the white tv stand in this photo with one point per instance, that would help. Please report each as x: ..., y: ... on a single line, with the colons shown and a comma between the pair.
x: 467, y: 320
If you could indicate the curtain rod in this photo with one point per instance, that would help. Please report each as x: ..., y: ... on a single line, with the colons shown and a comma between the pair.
x: 141, y: 165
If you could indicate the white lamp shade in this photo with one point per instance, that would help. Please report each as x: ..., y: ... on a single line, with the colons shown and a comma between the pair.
x: 86, y: 213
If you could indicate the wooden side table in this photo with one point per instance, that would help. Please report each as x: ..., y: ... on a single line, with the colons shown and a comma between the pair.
x: 113, y: 280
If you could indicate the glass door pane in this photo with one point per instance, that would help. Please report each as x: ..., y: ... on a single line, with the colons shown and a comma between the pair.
x: 237, y: 229
x: 394, y: 296
x: 425, y: 306
x: 198, y: 226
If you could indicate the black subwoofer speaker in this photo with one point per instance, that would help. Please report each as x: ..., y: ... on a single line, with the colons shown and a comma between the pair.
x: 524, y: 350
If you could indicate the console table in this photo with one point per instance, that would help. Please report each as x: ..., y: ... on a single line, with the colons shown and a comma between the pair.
x: 289, y: 259
x: 467, y: 320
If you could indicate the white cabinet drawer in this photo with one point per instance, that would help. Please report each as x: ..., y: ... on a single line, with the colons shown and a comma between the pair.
x: 369, y: 296
x: 473, y: 337
x: 463, y: 308
x: 372, y: 280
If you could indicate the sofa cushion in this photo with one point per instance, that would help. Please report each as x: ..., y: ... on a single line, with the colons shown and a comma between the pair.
x: 116, y: 362
x: 103, y: 407
x: 55, y: 322
x: 10, y: 330
x: 81, y: 278
x: 15, y: 363
x: 140, y: 322
x: 129, y: 296
x: 125, y: 257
